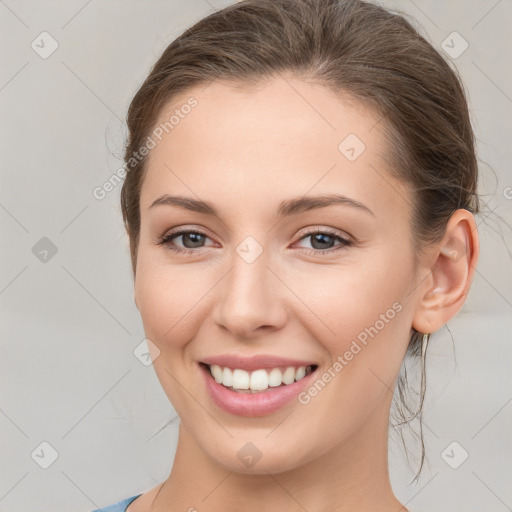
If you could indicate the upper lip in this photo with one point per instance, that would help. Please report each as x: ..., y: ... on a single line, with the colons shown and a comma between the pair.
x: 255, y: 362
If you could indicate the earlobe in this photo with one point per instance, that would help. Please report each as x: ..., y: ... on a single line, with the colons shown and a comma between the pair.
x: 450, y: 275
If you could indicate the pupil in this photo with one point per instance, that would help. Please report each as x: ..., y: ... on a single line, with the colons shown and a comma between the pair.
x: 196, y: 240
x: 193, y: 236
x: 319, y: 237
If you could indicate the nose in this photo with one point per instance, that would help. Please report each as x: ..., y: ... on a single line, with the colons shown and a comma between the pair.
x: 251, y: 299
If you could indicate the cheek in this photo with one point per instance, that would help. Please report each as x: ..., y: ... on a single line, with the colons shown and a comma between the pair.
x: 169, y: 300
x: 363, y: 324
x: 163, y: 301
x: 172, y: 299
x: 355, y: 301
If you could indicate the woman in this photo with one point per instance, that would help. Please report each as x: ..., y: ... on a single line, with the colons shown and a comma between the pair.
x: 300, y: 199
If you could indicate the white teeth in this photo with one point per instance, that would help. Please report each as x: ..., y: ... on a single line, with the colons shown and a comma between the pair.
x: 227, y: 377
x: 258, y: 380
x: 216, y: 372
x: 240, y: 379
x: 275, y: 378
x: 289, y: 375
x: 301, y: 372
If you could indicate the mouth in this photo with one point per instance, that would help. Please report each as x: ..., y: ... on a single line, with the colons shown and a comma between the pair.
x: 259, y: 392
x: 259, y: 380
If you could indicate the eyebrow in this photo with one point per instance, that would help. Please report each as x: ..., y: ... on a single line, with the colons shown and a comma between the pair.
x: 286, y: 208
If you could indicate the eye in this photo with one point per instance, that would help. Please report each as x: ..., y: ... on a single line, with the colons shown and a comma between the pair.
x: 194, y: 239
x: 322, y: 240
x: 191, y: 238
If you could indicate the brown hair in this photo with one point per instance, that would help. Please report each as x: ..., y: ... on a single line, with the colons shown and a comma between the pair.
x: 352, y: 47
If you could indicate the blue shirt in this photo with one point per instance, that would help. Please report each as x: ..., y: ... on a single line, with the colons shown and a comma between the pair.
x: 120, y: 506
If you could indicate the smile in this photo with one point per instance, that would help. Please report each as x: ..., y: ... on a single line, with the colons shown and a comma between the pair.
x: 256, y: 392
x: 258, y: 380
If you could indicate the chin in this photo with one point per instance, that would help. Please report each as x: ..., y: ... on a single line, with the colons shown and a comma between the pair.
x: 258, y: 457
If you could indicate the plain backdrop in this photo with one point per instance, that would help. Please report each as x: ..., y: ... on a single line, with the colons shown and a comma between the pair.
x: 78, y: 408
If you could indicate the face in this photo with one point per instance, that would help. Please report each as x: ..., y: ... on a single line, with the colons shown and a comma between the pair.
x: 326, y: 284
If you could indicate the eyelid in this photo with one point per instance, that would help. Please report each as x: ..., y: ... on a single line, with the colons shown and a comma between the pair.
x: 346, y: 239
x: 181, y: 230
x: 185, y: 229
x: 325, y: 229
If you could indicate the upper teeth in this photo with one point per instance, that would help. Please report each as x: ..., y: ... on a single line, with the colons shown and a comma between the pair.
x: 258, y: 380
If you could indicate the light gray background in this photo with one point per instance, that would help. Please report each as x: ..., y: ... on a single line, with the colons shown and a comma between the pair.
x: 69, y: 326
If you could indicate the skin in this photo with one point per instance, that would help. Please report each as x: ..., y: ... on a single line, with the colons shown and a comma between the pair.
x: 244, y: 151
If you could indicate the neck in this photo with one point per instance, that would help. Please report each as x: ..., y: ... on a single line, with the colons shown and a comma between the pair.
x: 352, y: 476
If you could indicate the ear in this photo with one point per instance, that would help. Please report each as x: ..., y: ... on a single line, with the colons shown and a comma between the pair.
x: 451, y: 271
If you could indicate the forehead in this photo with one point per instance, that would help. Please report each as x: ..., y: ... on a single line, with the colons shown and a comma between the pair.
x: 283, y: 138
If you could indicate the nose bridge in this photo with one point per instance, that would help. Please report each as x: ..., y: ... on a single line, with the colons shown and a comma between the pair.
x: 249, y: 296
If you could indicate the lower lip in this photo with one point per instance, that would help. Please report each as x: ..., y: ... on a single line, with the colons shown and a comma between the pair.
x: 253, y: 404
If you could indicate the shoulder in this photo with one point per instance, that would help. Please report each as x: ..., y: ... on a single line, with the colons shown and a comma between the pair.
x: 120, y: 506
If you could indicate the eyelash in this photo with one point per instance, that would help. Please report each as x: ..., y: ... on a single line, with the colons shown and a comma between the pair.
x: 166, y: 240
